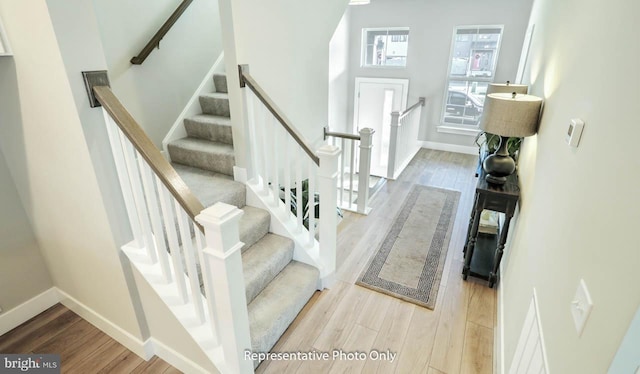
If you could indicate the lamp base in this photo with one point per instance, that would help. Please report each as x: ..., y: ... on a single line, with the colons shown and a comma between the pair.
x: 499, y: 165
x: 495, y: 180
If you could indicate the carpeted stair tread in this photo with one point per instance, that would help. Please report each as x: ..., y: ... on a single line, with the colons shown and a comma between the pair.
x: 216, y: 103
x: 210, y: 187
x: 209, y: 127
x: 273, y: 310
x: 203, y: 154
x: 220, y: 81
x: 263, y: 261
x: 254, y: 224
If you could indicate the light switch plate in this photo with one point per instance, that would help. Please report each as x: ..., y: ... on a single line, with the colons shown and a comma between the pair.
x: 581, y: 306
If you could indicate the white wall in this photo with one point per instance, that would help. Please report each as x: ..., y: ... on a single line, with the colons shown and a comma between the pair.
x: 286, y: 45
x: 579, y: 207
x: 41, y: 137
x: 23, y: 273
x: 431, y: 26
x: 157, y: 91
x: 339, y: 76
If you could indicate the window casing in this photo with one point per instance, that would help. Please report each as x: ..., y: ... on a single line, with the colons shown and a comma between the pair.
x: 472, y: 66
x: 385, y: 47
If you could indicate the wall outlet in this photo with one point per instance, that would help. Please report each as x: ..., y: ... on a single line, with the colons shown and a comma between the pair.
x: 581, y: 306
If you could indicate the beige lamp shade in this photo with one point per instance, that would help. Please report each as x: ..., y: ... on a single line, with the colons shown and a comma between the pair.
x: 507, y: 88
x: 511, y: 115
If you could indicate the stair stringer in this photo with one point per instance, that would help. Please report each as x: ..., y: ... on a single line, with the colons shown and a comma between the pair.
x: 284, y: 223
x: 192, y: 108
x: 201, y: 333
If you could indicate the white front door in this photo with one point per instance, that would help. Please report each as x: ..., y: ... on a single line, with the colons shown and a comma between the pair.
x: 375, y: 99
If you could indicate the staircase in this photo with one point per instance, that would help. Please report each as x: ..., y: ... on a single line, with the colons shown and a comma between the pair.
x: 277, y: 287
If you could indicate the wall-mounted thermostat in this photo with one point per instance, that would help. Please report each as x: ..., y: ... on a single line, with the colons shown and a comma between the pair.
x: 574, y: 132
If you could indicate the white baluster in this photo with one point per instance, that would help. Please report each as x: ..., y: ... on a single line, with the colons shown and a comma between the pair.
x: 342, y: 162
x: 258, y: 137
x: 170, y: 226
x: 366, y: 143
x: 125, y: 185
x: 352, y: 168
x: 312, y: 201
x: 299, y: 204
x: 275, y: 185
x: 190, y: 261
x: 138, y: 196
x: 287, y: 177
x: 222, y: 254
x: 156, y: 220
x: 393, y: 145
x: 207, y: 280
x: 266, y: 143
x: 250, y: 133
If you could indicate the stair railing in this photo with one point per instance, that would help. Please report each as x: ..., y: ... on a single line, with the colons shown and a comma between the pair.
x: 159, y: 35
x: 354, y: 147
x: 295, y: 181
x: 403, y: 142
x: 173, y: 233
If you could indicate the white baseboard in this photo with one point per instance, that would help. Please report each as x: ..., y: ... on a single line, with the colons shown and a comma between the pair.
x: 146, y: 350
x: 174, y: 358
x: 469, y: 150
x: 27, y: 310
x: 134, y: 344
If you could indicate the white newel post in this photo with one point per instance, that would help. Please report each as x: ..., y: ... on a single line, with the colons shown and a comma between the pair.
x: 223, y: 261
x: 327, y: 174
x: 366, y: 143
x: 393, y: 144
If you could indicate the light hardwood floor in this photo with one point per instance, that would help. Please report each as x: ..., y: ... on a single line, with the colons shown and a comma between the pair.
x: 456, y: 337
x: 83, y: 349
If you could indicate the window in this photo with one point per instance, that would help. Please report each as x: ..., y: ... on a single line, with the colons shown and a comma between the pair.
x: 385, y: 47
x: 472, y: 66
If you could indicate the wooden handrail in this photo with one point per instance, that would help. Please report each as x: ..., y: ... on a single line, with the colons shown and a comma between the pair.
x: 343, y: 135
x: 247, y: 80
x: 160, y: 166
x: 420, y: 102
x: 155, y: 40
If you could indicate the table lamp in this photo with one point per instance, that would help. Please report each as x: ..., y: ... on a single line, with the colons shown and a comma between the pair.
x: 507, y: 115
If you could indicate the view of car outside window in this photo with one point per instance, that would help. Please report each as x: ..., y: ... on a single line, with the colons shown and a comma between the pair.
x: 473, y: 62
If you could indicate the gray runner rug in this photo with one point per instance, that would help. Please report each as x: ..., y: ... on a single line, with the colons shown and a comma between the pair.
x: 409, y: 263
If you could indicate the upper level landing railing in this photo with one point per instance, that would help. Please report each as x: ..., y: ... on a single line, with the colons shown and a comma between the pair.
x: 403, y: 142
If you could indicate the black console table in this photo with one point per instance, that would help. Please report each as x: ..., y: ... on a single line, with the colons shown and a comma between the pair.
x: 482, y: 253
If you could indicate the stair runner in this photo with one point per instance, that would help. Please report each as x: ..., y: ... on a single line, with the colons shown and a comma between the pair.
x: 277, y: 287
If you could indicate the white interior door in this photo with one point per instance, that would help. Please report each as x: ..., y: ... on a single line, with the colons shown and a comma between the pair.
x: 375, y: 99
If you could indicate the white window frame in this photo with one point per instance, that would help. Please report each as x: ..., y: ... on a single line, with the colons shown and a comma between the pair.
x: 363, y: 47
x: 465, y: 129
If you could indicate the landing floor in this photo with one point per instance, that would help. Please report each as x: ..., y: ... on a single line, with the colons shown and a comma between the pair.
x: 456, y: 337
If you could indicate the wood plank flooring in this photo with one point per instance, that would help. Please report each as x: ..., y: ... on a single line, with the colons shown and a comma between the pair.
x: 82, y: 347
x: 456, y: 337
